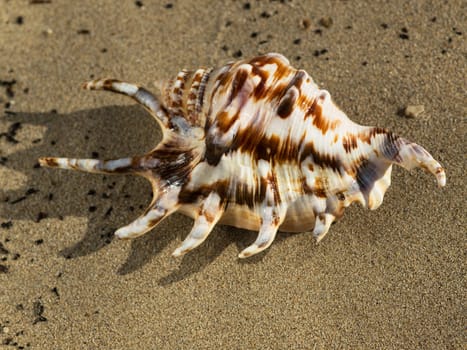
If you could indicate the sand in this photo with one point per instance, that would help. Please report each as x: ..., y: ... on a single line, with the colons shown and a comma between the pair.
x: 393, y: 278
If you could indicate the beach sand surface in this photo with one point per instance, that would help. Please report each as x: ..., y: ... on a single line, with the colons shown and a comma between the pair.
x: 393, y: 278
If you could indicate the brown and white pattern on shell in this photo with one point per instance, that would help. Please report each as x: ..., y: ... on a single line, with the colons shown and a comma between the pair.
x: 257, y: 145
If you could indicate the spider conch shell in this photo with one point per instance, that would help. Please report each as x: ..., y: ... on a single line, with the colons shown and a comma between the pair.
x: 257, y: 145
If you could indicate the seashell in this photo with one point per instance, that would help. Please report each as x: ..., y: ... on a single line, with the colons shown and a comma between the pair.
x: 257, y: 145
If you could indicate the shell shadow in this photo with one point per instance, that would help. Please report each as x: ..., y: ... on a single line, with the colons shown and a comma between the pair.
x: 219, y: 239
x: 107, y: 202
x: 217, y: 242
x: 142, y: 249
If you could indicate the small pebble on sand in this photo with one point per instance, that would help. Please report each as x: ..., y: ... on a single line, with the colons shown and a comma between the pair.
x: 326, y: 22
x: 413, y: 111
x: 306, y: 23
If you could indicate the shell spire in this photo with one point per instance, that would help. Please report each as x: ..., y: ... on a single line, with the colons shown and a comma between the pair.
x: 257, y: 145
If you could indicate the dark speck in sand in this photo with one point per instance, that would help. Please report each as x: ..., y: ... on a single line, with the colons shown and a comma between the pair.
x: 108, y: 212
x: 317, y: 53
x: 3, y: 250
x: 237, y: 54
x: 83, y: 31
x: 139, y: 3
x: 55, y: 291
x: 6, y: 224
x: 38, y: 310
x: 246, y: 6
x: 38, y: 241
x: 19, y: 20
x: 306, y: 23
x: 11, y: 133
x: 41, y: 216
x: 8, y: 84
x: 404, y: 33
x: 3, y: 268
x: 169, y: 5
x: 17, y: 200
x: 31, y: 191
